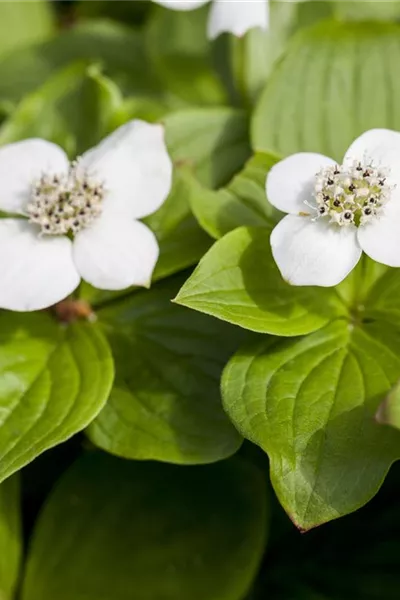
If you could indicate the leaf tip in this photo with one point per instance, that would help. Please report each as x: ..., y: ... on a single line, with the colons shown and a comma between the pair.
x: 179, y: 299
x: 301, y: 526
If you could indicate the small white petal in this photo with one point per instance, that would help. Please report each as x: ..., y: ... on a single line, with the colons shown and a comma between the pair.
x: 21, y: 164
x: 291, y: 182
x: 116, y: 253
x: 134, y: 164
x: 314, y: 252
x: 381, y: 146
x: 380, y: 237
x: 237, y: 17
x: 36, y: 272
x: 181, y: 4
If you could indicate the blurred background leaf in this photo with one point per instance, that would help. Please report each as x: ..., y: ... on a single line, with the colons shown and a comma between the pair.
x: 367, y: 10
x: 118, y: 48
x: 335, y: 81
x: 10, y: 537
x: 181, y: 54
x: 213, y: 141
x: 24, y: 23
x: 133, y: 12
x: 125, y: 530
x: 74, y: 108
x: 254, y: 55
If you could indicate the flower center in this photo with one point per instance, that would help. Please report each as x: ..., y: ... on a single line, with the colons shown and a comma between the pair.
x: 64, y: 204
x: 351, y: 194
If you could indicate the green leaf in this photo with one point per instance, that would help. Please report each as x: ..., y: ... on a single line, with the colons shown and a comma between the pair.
x: 10, y: 537
x: 238, y: 281
x: 24, y: 23
x: 54, y: 381
x: 181, y: 56
x: 165, y: 403
x: 310, y: 404
x: 134, y: 531
x: 214, y: 141
x: 242, y: 202
x: 335, y: 81
x: 119, y: 49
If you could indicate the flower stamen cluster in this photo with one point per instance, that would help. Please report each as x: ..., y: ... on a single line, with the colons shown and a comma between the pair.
x: 82, y: 220
x: 354, y: 207
x: 66, y: 203
x: 351, y: 195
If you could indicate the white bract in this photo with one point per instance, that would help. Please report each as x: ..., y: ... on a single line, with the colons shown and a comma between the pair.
x: 234, y: 16
x: 79, y: 220
x: 337, y: 211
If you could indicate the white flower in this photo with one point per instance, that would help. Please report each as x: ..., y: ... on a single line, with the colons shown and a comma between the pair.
x: 235, y: 16
x: 80, y: 218
x: 337, y: 211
